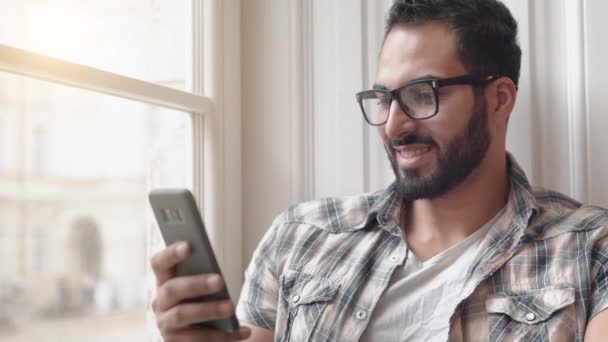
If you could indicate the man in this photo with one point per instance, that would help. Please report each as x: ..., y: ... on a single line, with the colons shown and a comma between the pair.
x: 460, y: 247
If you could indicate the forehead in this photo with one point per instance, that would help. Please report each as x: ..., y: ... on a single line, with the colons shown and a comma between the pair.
x: 411, y: 52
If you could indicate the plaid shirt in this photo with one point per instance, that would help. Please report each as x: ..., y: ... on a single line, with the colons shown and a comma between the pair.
x: 541, y: 275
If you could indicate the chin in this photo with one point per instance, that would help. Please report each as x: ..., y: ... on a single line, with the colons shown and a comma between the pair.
x: 423, y: 171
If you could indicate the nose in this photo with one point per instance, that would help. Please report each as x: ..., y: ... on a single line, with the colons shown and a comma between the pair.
x: 398, y: 124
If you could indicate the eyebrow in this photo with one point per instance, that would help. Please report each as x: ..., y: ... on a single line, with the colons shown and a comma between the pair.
x: 378, y: 86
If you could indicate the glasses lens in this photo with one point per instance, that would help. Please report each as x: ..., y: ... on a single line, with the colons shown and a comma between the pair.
x: 418, y: 100
x: 375, y: 106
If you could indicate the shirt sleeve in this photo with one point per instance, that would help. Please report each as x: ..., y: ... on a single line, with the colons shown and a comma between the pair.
x: 599, y: 268
x: 259, y: 297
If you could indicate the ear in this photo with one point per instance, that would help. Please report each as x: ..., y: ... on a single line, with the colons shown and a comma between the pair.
x: 500, y: 96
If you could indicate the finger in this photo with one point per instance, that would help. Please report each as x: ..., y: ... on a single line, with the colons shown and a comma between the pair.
x: 211, y: 335
x: 243, y: 333
x: 178, y: 289
x: 163, y: 263
x: 186, y: 314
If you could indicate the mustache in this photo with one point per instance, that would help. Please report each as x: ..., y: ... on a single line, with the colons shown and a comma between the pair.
x: 412, y: 139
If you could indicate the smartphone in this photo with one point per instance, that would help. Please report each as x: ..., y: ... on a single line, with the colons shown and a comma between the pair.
x: 178, y: 219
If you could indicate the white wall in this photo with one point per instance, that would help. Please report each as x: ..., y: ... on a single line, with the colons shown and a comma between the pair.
x: 566, y: 104
x: 595, y: 73
x: 303, y: 136
x: 266, y: 142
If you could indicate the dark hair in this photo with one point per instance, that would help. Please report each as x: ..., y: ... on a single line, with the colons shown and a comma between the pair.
x: 485, y: 29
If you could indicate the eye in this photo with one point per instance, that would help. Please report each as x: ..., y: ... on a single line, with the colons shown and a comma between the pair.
x: 384, y: 102
x: 380, y: 100
x: 418, y: 95
x: 424, y: 97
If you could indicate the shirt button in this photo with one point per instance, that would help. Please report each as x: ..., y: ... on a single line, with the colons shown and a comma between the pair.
x: 530, y: 316
x: 295, y: 298
x: 394, y: 258
x: 361, y: 315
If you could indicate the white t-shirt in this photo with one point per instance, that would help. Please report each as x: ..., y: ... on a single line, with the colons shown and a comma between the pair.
x: 421, y: 296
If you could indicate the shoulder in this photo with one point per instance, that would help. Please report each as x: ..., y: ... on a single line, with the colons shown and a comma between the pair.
x: 331, y: 214
x: 319, y: 222
x: 558, y: 214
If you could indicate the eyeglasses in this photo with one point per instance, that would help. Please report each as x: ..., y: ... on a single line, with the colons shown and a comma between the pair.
x: 417, y: 99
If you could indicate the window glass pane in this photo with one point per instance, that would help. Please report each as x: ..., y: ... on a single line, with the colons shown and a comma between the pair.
x: 75, y: 225
x: 144, y: 39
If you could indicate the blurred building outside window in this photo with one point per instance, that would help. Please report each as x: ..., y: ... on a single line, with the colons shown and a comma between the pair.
x: 76, y: 166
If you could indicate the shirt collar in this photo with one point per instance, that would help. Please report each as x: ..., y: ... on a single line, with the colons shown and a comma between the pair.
x: 522, y: 204
x: 386, y: 208
x: 520, y: 207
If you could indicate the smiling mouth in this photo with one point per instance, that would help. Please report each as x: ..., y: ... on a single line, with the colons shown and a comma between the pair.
x: 414, y: 156
x: 410, y: 153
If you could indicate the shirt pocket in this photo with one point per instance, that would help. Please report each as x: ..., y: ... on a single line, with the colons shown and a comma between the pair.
x: 546, y: 314
x: 306, y: 297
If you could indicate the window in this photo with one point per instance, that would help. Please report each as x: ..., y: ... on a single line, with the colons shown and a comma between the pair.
x: 74, y: 233
x: 143, y: 39
x: 77, y: 161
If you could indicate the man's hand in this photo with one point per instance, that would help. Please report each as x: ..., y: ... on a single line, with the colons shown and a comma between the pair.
x: 174, y: 318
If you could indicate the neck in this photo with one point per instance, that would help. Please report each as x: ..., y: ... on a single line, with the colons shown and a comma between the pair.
x: 433, y: 225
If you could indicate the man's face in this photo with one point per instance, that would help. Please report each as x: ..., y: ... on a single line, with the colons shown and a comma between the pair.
x: 432, y: 156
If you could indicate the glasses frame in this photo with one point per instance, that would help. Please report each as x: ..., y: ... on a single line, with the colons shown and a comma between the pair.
x: 435, y: 84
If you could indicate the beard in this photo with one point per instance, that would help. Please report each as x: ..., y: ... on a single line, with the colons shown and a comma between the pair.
x: 461, y: 156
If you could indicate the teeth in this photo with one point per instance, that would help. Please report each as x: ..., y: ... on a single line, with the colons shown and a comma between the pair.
x: 414, y: 153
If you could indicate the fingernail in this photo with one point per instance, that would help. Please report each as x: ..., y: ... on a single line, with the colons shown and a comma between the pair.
x: 214, y: 281
x: 182, y: 248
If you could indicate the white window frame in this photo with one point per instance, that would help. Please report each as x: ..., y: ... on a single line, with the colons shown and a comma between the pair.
x: 216, y: 121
